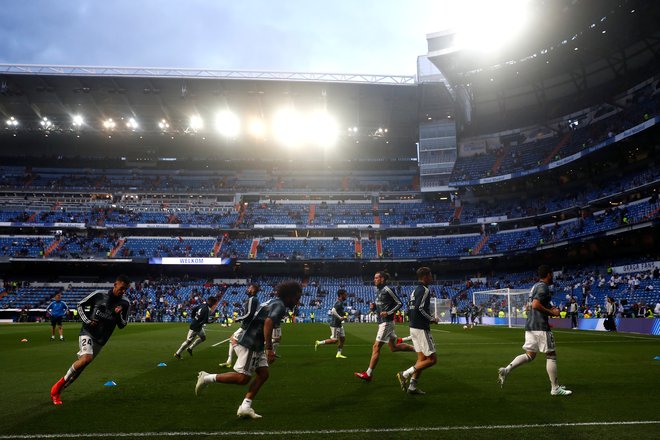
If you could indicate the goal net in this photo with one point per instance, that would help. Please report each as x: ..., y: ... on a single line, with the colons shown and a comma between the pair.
x: 441, y: 310
x: 502, y: 306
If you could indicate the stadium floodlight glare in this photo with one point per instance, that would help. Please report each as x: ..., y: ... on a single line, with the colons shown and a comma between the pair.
x: 486, y: 25
x: 132, y: 124
x: 257, y: 128
x: 228, y: 124
x: 163, y: 125
x: 12, y: 122
x: 45, y: 123
x: 109, y: 124
x: 322, y: 129
x: 287, y: 128
x: 196, y: 122
x: 77, y: 120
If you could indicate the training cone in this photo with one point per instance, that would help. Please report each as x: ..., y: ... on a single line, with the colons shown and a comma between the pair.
x: 657, y: 358
x: 110, y: 383
x: 162, y: 364
x: 23, y: 340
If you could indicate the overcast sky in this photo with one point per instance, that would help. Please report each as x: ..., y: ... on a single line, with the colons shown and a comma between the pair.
x: 338, y: 36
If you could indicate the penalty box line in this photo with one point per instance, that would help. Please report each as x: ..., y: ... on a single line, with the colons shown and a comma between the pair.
x: 325, y: 431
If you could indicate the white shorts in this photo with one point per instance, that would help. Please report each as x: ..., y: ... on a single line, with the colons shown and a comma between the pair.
x: 386, y: 331
x: 238, y: 333
x: 248, y: 360
x: 539, y: 341
x: 277, y: 332
x: 193, y: 333
x: 337, y: 332
x: 88, y: 346
x: 422, y: 341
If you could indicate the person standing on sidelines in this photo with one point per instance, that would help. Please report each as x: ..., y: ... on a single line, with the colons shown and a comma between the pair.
x: 100, y: 313
x: 336, y: 325
x: 387, y: 304
x: 538, y: 336
x: 255, y: 348
x: 610, y: 312
x: 250, y: 307
x: 57, y: 311
x: 573, y: 311
x: 201, y: 315
x: 420, y: 330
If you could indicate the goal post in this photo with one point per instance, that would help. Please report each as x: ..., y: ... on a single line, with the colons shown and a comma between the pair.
x: 502, y: 306
x: 441, y: 308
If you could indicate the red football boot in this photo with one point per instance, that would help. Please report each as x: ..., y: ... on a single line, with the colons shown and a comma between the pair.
x: 364, y: 376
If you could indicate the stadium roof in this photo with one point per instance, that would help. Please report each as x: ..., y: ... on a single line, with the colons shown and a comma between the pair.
x: 384, y: 109
x: 164, y: 72
x: 576, y: 53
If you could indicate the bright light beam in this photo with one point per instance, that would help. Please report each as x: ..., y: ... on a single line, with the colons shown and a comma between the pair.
x: 228, y: 124
x: 487, y: 25
x: 322, y: 129
x: 287, y: 128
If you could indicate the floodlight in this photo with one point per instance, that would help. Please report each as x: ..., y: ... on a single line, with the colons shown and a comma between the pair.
x: 228, y: 124
x: 109, y: 124
x: 486, y: 25
x: 163, y: 124
x: 257, y: 128
x: 12, y: 122
x: 196, y: 122
x: 132, y: 124
x: 287, y: 127
x: 322, y: 129
x: 77, y: 120
x: 45, y: 122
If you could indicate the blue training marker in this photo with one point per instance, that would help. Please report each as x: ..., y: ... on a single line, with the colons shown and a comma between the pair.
x: 162, y: 364
x: 110, y: 383
x: 657, y: 358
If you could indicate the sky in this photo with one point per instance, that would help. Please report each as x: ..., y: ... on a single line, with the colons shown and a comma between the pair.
x: 340, y: 36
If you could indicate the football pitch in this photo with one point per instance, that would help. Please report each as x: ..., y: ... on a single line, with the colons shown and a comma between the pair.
x: 614, y: 379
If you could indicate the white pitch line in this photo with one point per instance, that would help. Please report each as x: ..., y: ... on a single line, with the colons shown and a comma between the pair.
x: 443, y: 344
x: 604, y: 334
x: 324, y: 431
x: 221, y: 342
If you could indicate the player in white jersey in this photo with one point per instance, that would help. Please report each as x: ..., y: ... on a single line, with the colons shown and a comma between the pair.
x: 538, y: 336
x: 337, y: 334
x: 387, y: 304
x: 251, y: 306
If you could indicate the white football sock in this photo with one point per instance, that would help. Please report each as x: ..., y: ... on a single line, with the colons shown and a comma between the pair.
x: 551, y: 368
x: 196, y: 343
x: 183, y: 347
x: 369, y: 371
x: 247, y: 403
x: 407, y: 373
x: 209, y: 378
x: 518, y: 361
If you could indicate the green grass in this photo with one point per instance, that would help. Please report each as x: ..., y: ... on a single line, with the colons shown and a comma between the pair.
x: 613, y: 377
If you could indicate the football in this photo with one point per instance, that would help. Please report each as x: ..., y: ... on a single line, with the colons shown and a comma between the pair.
x: 465, y: 327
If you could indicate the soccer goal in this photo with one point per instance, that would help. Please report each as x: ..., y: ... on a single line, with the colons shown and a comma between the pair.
x: 441, y: 310
x: 502, y: 303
